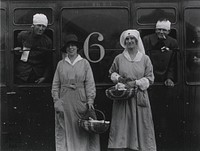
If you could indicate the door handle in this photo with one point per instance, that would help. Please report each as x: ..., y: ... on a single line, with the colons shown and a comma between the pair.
x: 11, y: 93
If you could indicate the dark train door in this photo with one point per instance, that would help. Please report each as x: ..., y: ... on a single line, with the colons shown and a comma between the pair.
x: 191, y: 63
x: 165, y: 102
x: 29, y: 107
x: 3, y: 71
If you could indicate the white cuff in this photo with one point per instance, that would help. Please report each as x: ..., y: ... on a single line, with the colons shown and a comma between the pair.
x: 115, y: 76
x: 143, y: 83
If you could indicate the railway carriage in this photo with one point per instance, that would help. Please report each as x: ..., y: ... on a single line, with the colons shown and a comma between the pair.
x: 27, y: 112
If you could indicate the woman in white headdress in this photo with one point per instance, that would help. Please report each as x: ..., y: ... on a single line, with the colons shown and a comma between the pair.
x: 132, y: 125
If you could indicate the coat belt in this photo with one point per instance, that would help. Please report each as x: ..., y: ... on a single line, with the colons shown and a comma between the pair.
x: 73, y: 85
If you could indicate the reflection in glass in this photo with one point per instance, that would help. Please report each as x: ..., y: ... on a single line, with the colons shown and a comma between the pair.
x: 152, y: 15
x: 192, y: 28
x: 25, y: 16
x: 192, y: 24
x: 108, y: 22
x: 193, y: 66
x: 2, y: 49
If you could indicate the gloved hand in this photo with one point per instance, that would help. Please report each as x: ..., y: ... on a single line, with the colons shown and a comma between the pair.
x: 124, y: 80
x: 169, y: 83
x: 58, y: 105
x: 120, y: 86
x: 90, y: 106
x: 131, y: 84
x: 114, y: 77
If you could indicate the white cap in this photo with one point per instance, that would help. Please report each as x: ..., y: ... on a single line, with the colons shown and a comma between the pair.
x: 165, y: 24
x: 136, y: 34
x: 40, y: 19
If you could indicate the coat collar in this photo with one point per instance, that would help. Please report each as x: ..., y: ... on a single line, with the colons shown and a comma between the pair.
x: 137, y: 58
x: 78, y: 58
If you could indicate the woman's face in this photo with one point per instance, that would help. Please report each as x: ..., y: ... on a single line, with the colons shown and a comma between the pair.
x: 130, y: 42
x: 71, y: 49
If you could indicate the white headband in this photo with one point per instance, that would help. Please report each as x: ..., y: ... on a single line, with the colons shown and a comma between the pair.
x: 40, y: 19
x: 163, y: 24
x: 136, y: 34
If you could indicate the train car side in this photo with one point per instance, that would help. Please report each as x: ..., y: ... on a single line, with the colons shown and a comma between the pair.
x: 27, y: 112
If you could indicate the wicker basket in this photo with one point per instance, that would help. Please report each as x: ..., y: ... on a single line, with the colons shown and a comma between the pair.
x: 115, y: 94
x: 94, y: 126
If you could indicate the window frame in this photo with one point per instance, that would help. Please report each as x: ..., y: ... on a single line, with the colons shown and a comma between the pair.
x: 187, y: 49
x: 14, y: 27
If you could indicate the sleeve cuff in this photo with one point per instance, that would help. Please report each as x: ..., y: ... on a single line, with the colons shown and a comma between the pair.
x: 90, y: 101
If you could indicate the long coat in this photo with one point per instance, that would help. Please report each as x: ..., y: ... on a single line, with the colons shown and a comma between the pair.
x: 69, y: 136
x: 132, y: 125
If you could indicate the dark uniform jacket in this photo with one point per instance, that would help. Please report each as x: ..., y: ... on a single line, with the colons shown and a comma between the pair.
x: 39, y: 60
x: 164, y: 61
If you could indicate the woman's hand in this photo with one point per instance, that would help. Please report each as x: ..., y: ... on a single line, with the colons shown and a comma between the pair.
x: 90, y: 106
x: 114, y: 77
x: 120, y: 86
x: 131, y: 84
x: 58, y: 105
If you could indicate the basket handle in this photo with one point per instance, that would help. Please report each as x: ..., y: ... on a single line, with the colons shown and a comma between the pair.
x: 103, y: 115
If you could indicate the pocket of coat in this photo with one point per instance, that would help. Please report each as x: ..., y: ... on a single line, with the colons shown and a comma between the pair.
x: 63, y: 92
x: 142, y: 99
x: 82, y: 95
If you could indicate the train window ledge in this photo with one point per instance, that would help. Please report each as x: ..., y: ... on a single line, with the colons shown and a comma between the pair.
x: 162, y: 84
x: 102, y: 85
x: 2, y: 85
x: 33, y: 85
x: 193, y: 83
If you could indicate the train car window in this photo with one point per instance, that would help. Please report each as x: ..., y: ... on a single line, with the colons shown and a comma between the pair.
x: 2, y: 50
x: 25, y: 15
x: 159, y: 59
x: 192, y: 24
x: 34, y: 62
x: 151, y: 15
x: 99, y: 30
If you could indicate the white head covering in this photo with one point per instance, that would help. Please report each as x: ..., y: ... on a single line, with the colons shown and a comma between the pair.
x: 165, y: 24
x: 134, y: 33
x: 40, y: 19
